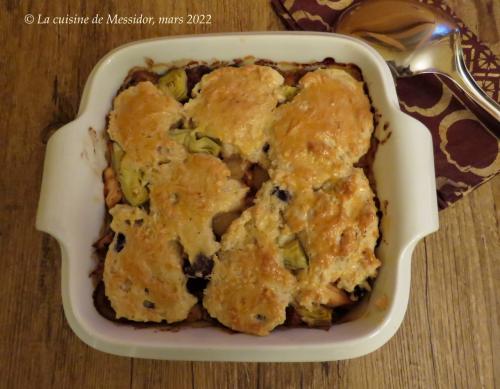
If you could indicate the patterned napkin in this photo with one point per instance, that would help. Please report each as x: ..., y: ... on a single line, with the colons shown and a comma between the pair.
x: 466, y: 155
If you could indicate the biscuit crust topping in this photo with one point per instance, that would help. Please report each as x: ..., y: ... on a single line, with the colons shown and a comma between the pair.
x: 233, y: 195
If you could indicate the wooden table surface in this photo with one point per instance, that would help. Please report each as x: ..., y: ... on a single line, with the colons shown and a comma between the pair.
x: 450, y: 337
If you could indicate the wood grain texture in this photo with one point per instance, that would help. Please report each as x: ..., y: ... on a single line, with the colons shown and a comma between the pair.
x: 451, y: 334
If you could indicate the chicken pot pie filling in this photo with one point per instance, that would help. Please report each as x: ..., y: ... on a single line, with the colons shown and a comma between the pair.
x: 233, y: 195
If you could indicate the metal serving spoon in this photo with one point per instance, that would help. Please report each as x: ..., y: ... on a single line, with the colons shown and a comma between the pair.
x: 414, y: 38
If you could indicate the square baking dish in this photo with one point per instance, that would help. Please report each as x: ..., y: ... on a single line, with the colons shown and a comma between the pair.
x: 71, y: 206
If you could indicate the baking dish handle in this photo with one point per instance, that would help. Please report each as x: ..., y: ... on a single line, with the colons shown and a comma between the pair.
x: 417, y: 178
x: 57, y: 182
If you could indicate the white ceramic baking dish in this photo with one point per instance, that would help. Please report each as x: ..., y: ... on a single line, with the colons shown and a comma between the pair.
x: 71, y: 206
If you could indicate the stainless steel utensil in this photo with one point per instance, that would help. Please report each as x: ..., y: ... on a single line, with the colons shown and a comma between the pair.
x: 414, y: 38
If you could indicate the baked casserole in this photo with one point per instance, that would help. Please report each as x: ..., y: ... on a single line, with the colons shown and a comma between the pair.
x: 238, y: 194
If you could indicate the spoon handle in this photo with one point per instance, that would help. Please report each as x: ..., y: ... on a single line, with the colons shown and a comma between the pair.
x: 464, y: 79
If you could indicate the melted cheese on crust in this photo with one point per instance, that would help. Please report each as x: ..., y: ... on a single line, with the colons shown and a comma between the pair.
x: 322, y: 131
x: 236, y: 105
x: 186, y: 195
x: 139, y: 123
x: 144, y: 280
x: 340, y: 237
x: 250, y: 288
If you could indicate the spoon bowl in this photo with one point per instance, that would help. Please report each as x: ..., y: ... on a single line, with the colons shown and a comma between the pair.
x: 414, y: 39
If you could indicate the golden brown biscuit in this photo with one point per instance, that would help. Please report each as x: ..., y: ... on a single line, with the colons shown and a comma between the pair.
x: 322, y: 131
x: 186, y: 195
x: 250, y: 288
x: 143, y: 273
x: 235, y: 105
x: 139, y: 123
x: 340, y: 237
